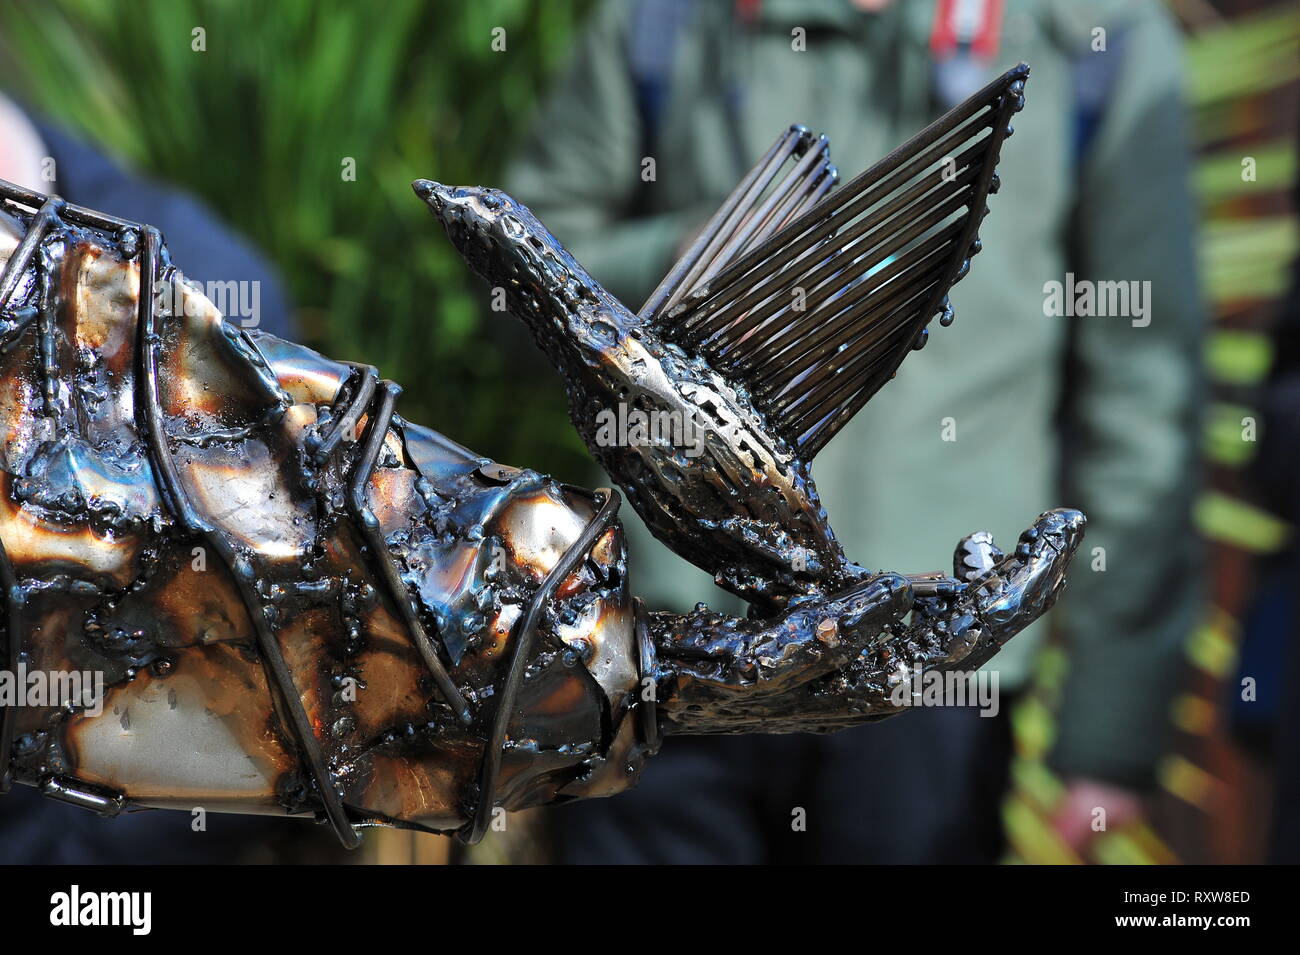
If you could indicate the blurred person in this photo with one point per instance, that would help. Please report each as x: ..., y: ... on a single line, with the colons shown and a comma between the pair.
x: 1271, y: 635
x: 38, y: 155
x: 1010, y: 409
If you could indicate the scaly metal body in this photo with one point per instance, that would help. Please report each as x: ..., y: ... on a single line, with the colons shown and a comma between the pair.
x: 300, y: 603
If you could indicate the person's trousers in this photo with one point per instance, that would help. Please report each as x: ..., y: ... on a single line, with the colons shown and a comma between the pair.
x: 922, y: 787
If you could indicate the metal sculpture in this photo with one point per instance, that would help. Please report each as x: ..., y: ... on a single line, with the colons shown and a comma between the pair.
x: 792, y: 307
x: 300, y: 603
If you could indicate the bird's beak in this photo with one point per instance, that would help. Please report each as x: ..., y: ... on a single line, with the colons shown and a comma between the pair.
x: 434, y: 193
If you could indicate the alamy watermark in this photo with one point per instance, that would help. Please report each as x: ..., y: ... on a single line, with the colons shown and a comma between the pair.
x: 41, y: 688
x: 949, y: 688
x: 238, y: 300
x: 75, y: 907
x: 1085, y: 298
x: 627, y: 427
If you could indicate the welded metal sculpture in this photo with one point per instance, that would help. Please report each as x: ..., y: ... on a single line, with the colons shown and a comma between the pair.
x: 302, y: 604
x: 793, y: 306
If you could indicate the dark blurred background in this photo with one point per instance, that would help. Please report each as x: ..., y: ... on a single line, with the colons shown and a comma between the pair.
x: 285, y: 97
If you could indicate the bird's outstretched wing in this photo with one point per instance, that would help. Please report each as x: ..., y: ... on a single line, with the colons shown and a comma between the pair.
x: 811, y: 298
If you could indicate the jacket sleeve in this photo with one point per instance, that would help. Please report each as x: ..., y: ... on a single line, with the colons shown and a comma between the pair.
x: 581, y: 164
x: 1133, y: 423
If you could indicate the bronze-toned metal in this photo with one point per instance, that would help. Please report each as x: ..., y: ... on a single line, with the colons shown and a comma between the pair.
x: 369, y: 527
x: 239, y: 565
x: 396, y: 631
x: 521, y: 645
x: 15, y: 597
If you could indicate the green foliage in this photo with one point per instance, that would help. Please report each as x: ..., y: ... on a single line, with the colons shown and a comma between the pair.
x: 1233, y: 70
x: 1243, y: 57
x: 261, y: 124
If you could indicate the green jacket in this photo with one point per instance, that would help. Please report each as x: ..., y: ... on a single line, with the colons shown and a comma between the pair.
x: 899, y: 494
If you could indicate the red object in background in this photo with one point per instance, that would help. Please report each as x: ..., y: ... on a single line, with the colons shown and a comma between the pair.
x: 747, y: 10
x: 977, y: 23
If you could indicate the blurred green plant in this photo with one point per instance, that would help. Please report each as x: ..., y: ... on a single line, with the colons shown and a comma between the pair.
x: 263, y: 123
x: 1237, y: 65
x: 1242, y: 57
x: 1248, y: 238
x: 1232, y: 70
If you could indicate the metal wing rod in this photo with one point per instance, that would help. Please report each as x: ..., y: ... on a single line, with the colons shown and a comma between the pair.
x: 859, y: 194
x: 813, y: 317
x: 865, y: 245
x: 741, y: 222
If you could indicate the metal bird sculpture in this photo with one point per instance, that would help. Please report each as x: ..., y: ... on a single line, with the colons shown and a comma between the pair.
x: 792, y: 307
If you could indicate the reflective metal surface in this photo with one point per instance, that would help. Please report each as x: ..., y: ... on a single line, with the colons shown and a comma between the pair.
x: 300, y: 603
x: 793, y: 306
